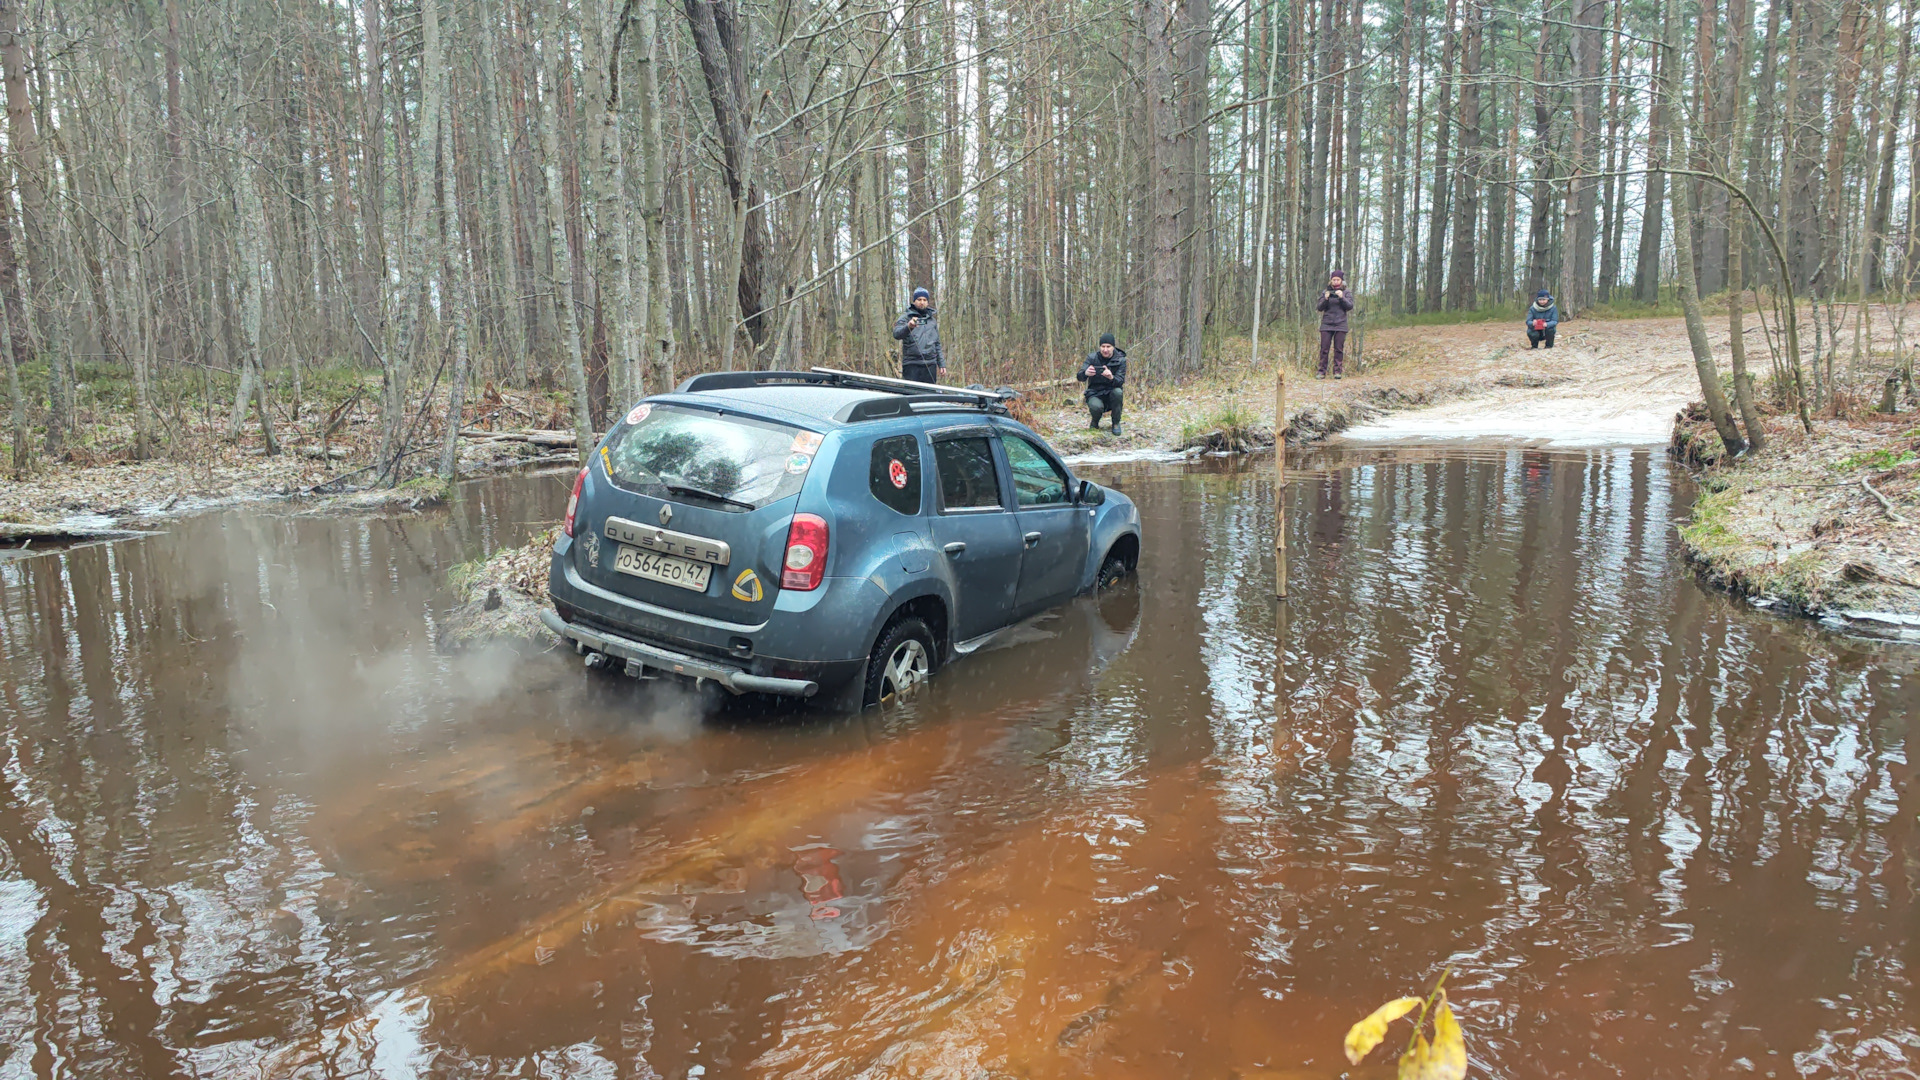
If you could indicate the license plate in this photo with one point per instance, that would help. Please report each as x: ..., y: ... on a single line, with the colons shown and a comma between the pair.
x: 683, y: 573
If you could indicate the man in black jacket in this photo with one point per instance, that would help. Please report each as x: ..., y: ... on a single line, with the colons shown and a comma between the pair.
x: 918, y: 332
x: 1105, y: 372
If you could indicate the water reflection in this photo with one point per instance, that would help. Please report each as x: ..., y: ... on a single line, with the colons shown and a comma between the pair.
x: 252, y: 822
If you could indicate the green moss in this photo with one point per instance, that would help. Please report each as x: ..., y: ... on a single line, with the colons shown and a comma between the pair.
x: 1878, y: 460
x: 1707, y: 534
x: 429, y: 488
x: 1796, y: 580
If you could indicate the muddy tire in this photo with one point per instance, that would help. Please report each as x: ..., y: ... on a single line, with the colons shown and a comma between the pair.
x: 1112, y: 572
x: 904, y: 657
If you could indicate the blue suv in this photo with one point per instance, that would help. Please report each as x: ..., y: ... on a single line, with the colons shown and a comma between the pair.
x: 822, y: 534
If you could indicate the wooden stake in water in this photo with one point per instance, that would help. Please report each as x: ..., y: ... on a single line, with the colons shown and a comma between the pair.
x: 1280, y: 481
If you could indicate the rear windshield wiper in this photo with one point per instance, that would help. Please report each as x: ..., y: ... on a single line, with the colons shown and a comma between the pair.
x: 689, y: 489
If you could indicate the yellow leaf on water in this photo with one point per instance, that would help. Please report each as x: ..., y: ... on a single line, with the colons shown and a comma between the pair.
x: 1443, y: 1059
x: 1413, y: 1063
x: 1365, y: 1035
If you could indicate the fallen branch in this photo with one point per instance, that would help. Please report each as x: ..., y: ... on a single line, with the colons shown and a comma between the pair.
x: 549, y: 438
x: 1884, y: 503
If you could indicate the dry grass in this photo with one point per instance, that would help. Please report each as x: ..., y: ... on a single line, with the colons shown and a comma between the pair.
x: 499, y: 599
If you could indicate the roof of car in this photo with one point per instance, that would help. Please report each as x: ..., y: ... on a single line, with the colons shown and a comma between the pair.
x: 820, y: 403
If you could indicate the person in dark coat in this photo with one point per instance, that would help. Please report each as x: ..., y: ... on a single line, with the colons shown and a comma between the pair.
x: 1334, y: 303
x: 1105, y: 373
x: 918, y: 332
x: 1543, y: 316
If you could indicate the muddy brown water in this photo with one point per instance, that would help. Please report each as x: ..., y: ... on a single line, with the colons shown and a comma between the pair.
x: 253, y: 823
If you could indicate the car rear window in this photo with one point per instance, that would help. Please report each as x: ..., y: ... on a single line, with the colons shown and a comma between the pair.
x: 664, y: 450
x: 894, y: 476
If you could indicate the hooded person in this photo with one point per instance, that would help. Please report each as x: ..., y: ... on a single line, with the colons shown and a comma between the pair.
x: 1105, y: 373
x: 1334, y: 303
x: 1543, y: 316
x: 918, y: 332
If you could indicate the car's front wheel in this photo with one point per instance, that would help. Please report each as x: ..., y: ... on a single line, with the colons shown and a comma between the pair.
x: 902, y: 659
x: 1112, y: 572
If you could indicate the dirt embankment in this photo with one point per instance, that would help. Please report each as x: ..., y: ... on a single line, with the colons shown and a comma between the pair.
x: 1827, y: 525
x: 1606, y: 382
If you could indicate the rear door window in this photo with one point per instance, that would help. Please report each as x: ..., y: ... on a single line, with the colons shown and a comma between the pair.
x: 894, y: 476
x: 733, y: 460
x: 969, y: 480
x: 1036, y: 480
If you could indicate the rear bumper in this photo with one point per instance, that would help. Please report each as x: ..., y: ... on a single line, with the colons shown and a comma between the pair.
x: 735, y: 679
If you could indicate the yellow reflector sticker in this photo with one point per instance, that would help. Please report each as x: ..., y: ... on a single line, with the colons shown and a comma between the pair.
x: 747, y: 587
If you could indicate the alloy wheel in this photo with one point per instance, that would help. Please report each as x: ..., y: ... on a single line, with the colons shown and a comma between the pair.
x: 906, y: 668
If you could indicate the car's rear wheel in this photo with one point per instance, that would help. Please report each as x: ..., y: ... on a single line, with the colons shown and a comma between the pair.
x: 902, y: 660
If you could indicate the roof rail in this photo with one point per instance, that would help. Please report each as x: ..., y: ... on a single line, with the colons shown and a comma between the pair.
x: 909, y: 404
x: 737, y: 380
x: 836, y: 377
x: 908, y: 396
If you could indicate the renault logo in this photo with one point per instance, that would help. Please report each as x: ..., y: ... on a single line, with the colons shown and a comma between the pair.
x: 666, y: 514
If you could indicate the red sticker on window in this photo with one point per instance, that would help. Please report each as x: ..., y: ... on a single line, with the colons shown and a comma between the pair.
x: 897, y: 473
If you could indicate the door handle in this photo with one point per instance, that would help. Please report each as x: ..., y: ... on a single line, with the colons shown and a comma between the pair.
x: 1033, y: 538
x: 955, y: 548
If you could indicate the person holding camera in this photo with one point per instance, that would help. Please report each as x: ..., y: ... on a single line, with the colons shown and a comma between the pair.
x: 1105, y: 373
x: 1334, y: 303
x: 918, y: 332
x: 1543, y: 316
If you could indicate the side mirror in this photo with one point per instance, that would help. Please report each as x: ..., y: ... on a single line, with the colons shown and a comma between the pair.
x: 1090, y: 494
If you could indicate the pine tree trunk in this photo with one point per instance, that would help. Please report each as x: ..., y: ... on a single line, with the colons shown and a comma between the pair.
x: 1539, y: 228
x: 1442, y: 173
x: 1646, y: 274
x: 1466, y: 199
x: 1577, y: 230
x: 1161, y: 349
x: 1889, y: 142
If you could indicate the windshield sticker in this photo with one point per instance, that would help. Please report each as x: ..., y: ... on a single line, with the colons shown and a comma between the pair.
x: 798, y: 463
x: 606, y: 462
x: 897, y: 473
x: 747, y: 587
x: 806, y: 442
x: 639, y: 413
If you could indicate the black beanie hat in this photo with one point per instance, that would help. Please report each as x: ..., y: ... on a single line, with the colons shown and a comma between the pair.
x: 1106, y: 339
x: 1543, y: 295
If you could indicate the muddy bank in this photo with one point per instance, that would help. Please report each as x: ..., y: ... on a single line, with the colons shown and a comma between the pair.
x: 499, y: 599
x: 1827, y: 526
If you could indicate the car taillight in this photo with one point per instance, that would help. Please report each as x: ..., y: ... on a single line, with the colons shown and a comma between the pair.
x: 573, y: 501
x: 805, y: 564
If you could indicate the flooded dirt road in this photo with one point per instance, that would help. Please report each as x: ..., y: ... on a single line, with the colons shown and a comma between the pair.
x: 252, y: 823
